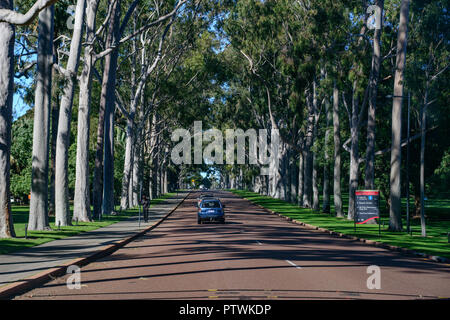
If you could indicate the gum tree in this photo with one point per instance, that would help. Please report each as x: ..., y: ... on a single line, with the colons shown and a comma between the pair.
x: 8, y: 19
x: 395, y: 212
x: 62, y: 208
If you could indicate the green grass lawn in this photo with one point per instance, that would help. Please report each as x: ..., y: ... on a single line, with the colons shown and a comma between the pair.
x: 436, y: 242
x: 20, y: 218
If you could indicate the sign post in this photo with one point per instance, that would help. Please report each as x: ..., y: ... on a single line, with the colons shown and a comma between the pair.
x: 367, y: 207
x: 140, y: 201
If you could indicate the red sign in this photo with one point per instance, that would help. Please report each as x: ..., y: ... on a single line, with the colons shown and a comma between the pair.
x: 367, y: 193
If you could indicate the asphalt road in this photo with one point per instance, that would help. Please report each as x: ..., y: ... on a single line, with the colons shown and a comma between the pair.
x: 254, y: 255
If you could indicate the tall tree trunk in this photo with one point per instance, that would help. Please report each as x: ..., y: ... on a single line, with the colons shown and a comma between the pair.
x: 53, y: 137
x: 97, y: 192
x: 159, y: 190
x: 326, y: 167
x: 150, y: 184
x: 354, y: 154
x: 125, y: 198
x: 108, y: 167
x: 138, y: 167
x: 307, y: 179
x: 158, y: 167
x: 354, y: 128
x: 373, y: 89
x: 278, y: 182
x: 241, y: 178
x: 287, y: 176
x: 128, y: 162
x: 82, y: 203
x: 38, y: 219
x: 152, y: 142
x: 315, y: 178
x: 293, y: 174
x: 308, y: 157
x: 256, y: 184
x: 136, y: 182
x: 275, y: 178
x: 423, y: 125
x: 130, y: 186
x: 337, y: 155
x: 301, y: 171
x: 315, y: 185
x: 108, y: 100
x: 395, y: 212
x: 62, y: 208
x: 166, y: 181
x: 232, y: 182
x: 7, y: 33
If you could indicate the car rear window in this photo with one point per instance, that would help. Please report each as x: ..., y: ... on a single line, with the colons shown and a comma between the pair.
x: 210, y: 204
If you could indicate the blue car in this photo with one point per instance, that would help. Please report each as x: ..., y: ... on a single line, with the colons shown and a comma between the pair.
x: 211, y: 210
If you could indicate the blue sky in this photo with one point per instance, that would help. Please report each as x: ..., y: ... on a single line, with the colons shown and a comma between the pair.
x: 19, y: 105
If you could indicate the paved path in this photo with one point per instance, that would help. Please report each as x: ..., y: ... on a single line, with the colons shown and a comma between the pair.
x: 28, y: 262
x: 255, y: 255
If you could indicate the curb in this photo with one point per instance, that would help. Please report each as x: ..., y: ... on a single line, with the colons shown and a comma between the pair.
x: 11, y: 290
x: 369, y: 242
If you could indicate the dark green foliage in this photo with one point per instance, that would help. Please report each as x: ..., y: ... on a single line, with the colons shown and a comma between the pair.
x: 22, y: 144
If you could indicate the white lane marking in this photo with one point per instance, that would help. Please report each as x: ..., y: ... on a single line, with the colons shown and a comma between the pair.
x: 258, y: 242
x: 293, y: 264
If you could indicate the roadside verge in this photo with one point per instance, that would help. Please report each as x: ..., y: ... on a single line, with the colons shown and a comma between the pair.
x: 384, y: 245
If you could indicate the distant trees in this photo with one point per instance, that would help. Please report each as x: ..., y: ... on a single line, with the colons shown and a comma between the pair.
x: 285, y: 48
x: 361, y: 72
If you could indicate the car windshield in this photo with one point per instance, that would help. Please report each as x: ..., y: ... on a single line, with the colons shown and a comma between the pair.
x: 211, y: 204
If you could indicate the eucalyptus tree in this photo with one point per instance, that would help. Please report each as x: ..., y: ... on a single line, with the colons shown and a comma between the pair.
x: 357, y: 50
x: 262, y: 34
x: 82, y: 203
x: 337, y: 198
x: 287, y: 45
x: 62, y: 209
x: 38, y: 219
x: 373, y: 89
x: 160, y: 52
x: 428, y: 64
x: 105, y: 129
x: 6, y: 102
x: 148, y: 65
x: 103, y: 193
x: 395, y: 213
x: 327, y: 158
x: 107, y: 103
x: 8, y: 19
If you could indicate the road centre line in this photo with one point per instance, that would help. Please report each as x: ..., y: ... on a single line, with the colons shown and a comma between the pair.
x: 293, y: 264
